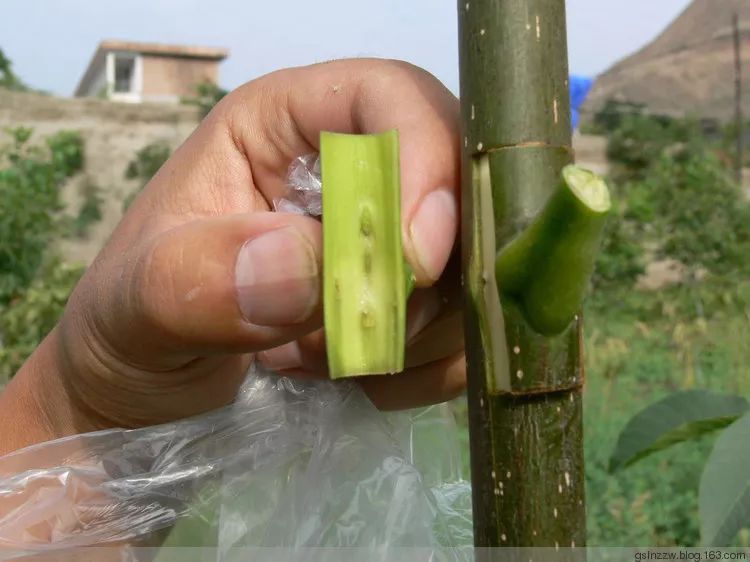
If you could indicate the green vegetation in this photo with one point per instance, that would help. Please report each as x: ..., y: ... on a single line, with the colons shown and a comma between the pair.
x: 34, y: 284
x: 26, y: 320
x: 31, y: 217
x: 700, y: 220
x: 674, y: 199
x: 678, y: 201
x: 90, y: 211
x: 144, y: 166
x: 641, y: 347
x: 8, y: 78
x: 207, y: 95
x: 34, y: 280
x: 724, y: 498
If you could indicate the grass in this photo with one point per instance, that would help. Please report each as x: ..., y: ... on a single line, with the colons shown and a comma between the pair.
x: 641, y: 346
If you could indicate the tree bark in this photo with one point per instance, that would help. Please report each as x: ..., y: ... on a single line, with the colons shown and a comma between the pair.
x: 524, y: 389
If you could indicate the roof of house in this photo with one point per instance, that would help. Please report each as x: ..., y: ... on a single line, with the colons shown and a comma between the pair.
x: 159, y: 49
x: 189, y: 51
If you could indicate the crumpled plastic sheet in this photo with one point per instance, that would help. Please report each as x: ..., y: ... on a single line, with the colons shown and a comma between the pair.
x: 304, y: 188
x: 290, y: 463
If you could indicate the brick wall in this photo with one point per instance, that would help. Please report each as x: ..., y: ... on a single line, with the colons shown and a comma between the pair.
x: 172, y: 76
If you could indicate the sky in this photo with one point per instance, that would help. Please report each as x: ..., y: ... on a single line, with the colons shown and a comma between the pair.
x: 51, y: 41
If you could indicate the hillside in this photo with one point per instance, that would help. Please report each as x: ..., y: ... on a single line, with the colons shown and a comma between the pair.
x: 688, y: 68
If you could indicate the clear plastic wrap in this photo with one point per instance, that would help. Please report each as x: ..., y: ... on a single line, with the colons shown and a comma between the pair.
x: 290, y: 464
x: 303, y: 196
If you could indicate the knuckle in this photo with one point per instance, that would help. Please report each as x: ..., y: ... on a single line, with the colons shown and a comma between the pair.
x: 152, y: 289
x: 399, y: 70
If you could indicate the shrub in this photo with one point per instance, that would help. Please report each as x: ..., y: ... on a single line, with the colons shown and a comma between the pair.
x: 621, y: 260
x: 144, y: 166
x: 640, y: 140
x: 30, y: 204
x: 90, y: 211
x: 701, y: 216
x: 8, y: 78
x: 207, y: 95
x: 30, y: 316
x: 34, y: 283
x: 674, y: 196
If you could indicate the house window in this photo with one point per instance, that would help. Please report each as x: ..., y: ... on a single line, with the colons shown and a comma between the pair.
x: 124, y: 74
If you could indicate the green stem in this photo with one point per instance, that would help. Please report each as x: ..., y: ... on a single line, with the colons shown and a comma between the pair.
x: 547, y: 267
x: 365, y: 278
x: 524, y: 388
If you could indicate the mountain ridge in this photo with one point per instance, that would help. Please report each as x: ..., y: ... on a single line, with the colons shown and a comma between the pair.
x: 687, y: 69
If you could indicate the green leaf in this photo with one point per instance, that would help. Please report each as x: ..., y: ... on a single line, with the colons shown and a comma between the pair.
x: 724, y: 497
x: 678, y: 417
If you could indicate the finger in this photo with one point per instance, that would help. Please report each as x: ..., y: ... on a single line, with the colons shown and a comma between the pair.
x: 419, y: 386
x: 281, y: 116
x: 238, y: 283
x: 444, y: 335
x: 425, y: 305
x: 427, y: 384
x: 308, y: 353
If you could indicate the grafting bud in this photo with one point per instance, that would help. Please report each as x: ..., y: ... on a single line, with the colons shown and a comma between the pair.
x: 366, y: 281
x: 547, y: 267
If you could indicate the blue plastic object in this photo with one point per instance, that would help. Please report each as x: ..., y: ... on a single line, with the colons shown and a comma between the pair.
x: 580, y: 86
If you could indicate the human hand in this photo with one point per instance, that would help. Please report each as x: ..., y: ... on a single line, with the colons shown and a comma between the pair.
x: 199, y: 277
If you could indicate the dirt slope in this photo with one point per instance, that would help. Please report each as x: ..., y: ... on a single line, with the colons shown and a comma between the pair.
x: 688, y: 68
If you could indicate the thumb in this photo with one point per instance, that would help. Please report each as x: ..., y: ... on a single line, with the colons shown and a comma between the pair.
x: 236, y: 283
